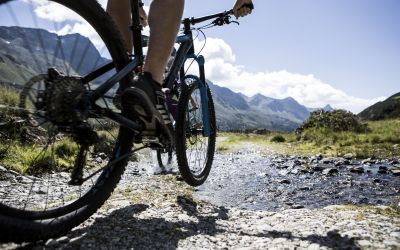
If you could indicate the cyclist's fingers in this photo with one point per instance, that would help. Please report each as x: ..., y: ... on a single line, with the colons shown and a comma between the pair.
x: 244, y: 11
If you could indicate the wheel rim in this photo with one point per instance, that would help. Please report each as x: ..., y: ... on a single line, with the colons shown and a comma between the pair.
x: 197, y: 145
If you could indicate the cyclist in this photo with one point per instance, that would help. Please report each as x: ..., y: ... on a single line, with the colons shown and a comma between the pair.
x: 145, y: 99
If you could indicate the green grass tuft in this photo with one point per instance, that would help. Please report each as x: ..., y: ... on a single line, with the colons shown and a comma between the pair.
x: 9, y: 97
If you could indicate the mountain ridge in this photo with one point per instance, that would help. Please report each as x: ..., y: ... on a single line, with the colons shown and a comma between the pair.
x: 387, y: 109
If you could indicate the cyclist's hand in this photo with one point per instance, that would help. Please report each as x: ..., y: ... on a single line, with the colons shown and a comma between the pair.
x: 240, y: 11
x: 143, y: 17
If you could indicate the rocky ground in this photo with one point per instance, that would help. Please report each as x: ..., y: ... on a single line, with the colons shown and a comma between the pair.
x: 249, y: 202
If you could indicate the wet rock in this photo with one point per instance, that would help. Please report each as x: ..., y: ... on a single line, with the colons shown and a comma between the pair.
x: 395, y: 234
x: 282, y: 166
x: 23, y: 179
x: 297, y: 206
x: 348, y: 156
x: 284, y: 181
x: 39, y: 191
x: 382, y: 170
x: 358, y: 169
x: 298, y: 162
x: 395, y: 172
x: 330, y: 171
x: 363, y: 200
x: 51, y: 243
x: 63, y: 239
x: 317, y: 168
x: 341, y: 162
x: 354, y: 162
x: 3, y: 169
x: 368, y: 161
x: 13, y: 172
x: 364, y: 243
x: 328, y: 160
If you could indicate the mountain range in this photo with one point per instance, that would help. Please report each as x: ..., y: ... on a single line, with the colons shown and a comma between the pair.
x: 236, y: 111
x: 23, y: 55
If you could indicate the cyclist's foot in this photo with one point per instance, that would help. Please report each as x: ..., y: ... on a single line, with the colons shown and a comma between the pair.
x: 146, y: 101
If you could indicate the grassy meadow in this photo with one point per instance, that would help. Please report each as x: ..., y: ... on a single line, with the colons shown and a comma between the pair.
x: 381, y: 140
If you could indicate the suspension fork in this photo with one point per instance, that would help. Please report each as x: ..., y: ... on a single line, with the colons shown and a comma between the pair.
x: 203, y: 95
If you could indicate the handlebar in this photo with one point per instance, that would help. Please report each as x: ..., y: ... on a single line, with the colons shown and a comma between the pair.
x: 223, y: 16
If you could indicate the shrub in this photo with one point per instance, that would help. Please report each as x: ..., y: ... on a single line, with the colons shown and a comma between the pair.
x: 336, y: 120
x: 278, y: 138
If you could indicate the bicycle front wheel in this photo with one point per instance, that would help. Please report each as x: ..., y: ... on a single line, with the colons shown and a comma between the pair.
x: 194, y: 149
x: 47, y: 48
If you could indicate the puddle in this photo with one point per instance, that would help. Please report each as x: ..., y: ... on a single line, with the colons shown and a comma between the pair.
x: 250, y: 181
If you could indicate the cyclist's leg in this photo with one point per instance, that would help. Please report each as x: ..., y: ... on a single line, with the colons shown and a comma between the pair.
x: 120, y: 11
x: 145, y: 98
x: 164, y: 26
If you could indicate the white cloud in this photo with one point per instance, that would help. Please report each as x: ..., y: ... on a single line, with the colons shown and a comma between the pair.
x: 71, y: 22
x: 306, y: 89
x: 54, y: 12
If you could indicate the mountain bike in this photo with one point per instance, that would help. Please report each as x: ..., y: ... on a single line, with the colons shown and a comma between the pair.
x: 72, y: 144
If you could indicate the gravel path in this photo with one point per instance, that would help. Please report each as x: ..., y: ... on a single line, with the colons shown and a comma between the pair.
x: 159, y: 212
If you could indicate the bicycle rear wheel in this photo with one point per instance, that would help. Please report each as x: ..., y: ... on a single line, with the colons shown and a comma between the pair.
x: 40, y: 197
x: 194, y: 149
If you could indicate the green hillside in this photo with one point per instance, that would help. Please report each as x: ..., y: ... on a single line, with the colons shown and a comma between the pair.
x: 387, y: 109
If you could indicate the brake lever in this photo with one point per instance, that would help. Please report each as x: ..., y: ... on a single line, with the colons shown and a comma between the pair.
x: 228, y: 20
x: 219, y: 21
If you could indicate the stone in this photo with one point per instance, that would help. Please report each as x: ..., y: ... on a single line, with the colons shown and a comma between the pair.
x: 358, y: 169
x: 382, y: 170
x: 23, y: 179
x: 348, y: 156
x: 330, y: 171
x: 395, y: 172
x: 395, y: 234
x: 63, y: 239
x: 318, y: 168
x: 284, y: 181
x: 368, y: 161
x: 364, y: 243
x: 314, y: 246
x: 120, y: 203
x: 51, y: 243
x: 328, y: 160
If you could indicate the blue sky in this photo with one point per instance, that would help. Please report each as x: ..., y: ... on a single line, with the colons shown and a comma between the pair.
x: 352, y: 45
x: 343, y: 53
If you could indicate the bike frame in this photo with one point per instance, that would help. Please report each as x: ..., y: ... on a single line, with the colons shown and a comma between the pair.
x: 185, y: 52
